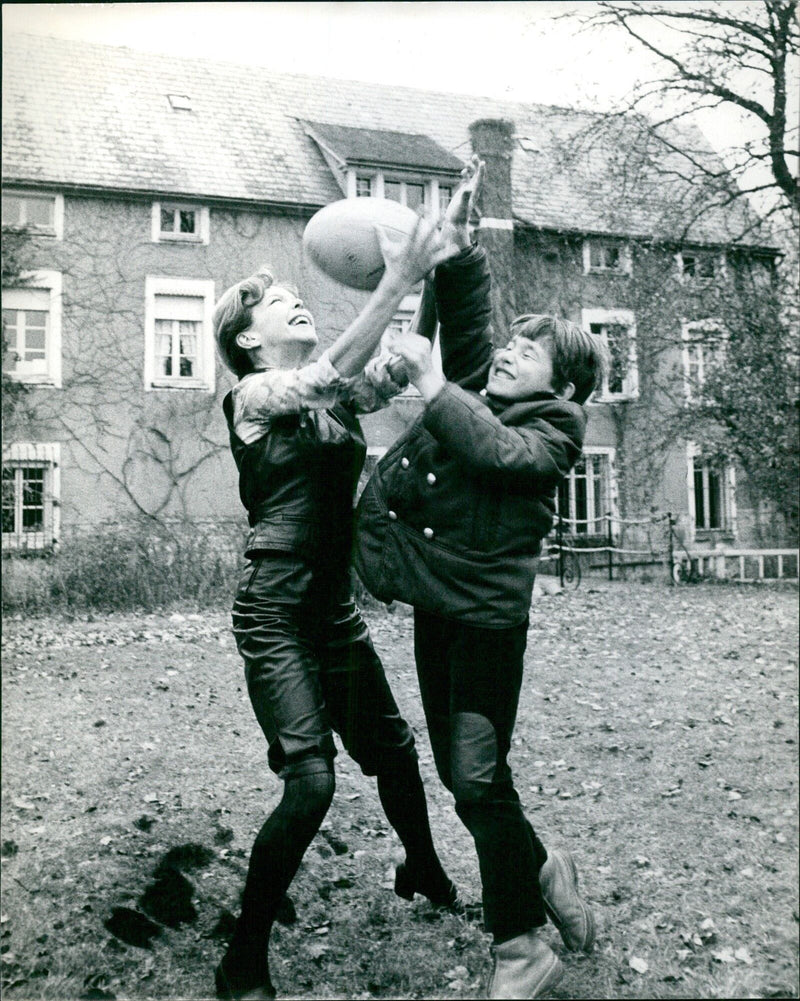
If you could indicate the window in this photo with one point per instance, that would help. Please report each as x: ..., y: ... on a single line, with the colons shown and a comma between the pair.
x: 700, y: 266
x: 32, y: 329
x: 179, y: 223
x: 38, y: 212
x: 364, y: 187
x: 30, y: 496
x: 606, y: 256
x: 712, y: 502
x: 585, y: 495
x: 617, y: 328
x: 180, y: 102
x: 179, y: 348
x: 415, y: 192
x: 703, y: 348
x: 401, y: 320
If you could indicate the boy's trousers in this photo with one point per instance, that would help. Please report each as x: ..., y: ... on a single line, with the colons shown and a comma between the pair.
x: 470, y: 681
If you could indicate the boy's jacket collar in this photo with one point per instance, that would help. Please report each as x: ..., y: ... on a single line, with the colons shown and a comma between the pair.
x: 498, y: 405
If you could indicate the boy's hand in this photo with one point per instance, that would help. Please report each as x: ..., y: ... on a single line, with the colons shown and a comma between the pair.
x: 409, y: 258
x: 415, y: 352
x: 463, y: 204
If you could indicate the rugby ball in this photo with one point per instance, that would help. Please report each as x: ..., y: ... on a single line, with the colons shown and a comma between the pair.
x: 341, y: 240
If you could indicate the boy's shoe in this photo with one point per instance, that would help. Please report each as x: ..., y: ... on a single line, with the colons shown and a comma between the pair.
x: 524, y: 967
x: 558, y: 879
x: 227, y: 992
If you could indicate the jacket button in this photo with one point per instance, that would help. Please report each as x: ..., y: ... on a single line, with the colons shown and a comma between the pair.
x: 392, y: 516
x: 405, y: 463
x: 428, y: 533
x: 431, y: 478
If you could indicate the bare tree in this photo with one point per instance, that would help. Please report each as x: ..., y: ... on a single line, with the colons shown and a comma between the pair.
x: 716, y: 55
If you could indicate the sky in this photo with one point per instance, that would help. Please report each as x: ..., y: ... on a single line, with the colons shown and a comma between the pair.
x: 524, y: 51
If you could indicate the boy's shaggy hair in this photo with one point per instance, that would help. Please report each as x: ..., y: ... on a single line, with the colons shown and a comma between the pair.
x: 578, y: 357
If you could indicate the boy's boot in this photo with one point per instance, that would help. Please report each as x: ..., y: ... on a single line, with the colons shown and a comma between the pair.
x: 558, y: 879
x: 524, y: 967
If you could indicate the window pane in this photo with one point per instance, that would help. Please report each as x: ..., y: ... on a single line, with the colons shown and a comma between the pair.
x: 188, y: 220
x: 12, y: 210
x: 186, y: 367
x: 391, y: 189
x: 363, y: 187
x: 688, y: 265
x: 40, y: 212
x: 32, y: 500
x: 167, y: 220
x: 714, y: 499
x: 612, y: 258
x: 618, y: 346
x: 445, y: 194
x: 415, y: 196
x: 699, y: 503
x: 705, y: 267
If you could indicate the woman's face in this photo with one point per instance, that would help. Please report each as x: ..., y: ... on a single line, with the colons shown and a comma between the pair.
x: 284, y: 326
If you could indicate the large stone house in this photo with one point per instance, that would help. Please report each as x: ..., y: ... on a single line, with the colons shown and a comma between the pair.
x: 147, y: 184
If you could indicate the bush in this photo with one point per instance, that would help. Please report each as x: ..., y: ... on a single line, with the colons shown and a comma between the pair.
x: 128, y: 568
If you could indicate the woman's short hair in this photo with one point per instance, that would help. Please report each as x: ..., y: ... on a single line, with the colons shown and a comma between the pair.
x: 578, y: 356
x: 234, y: 313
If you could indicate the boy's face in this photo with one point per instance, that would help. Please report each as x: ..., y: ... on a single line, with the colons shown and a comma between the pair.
x: 281, y: 329
x: 520, y: 369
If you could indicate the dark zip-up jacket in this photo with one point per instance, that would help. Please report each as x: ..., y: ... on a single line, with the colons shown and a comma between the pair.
x: 452, y: 519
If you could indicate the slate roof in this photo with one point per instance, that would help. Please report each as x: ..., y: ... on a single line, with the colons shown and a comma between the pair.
x: 382, y: 147
x: 87, y: 115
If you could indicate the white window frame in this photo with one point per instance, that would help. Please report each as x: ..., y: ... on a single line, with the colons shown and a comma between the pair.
x: 689, y: 330
x: 379, y: 177
x: 720, y: 267
x: 14, y: 297
x: 57, y: 232
x: 203, y: 234
x: 728, y: 528
x: 616, y: 317
x: 46, y: 455
x: 194, y: 288
x: 625, y: 256
x: 589, y: 451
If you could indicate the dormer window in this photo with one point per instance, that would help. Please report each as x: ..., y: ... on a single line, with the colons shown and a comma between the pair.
x: 174, y: 222
x: 405, y: 167
x: 180, y: 102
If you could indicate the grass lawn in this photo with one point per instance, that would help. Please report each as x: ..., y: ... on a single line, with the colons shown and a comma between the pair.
x: 656, y: 737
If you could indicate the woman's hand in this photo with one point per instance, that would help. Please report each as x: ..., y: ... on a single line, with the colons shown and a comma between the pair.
x: 410, y: 258
x: 463, y: 205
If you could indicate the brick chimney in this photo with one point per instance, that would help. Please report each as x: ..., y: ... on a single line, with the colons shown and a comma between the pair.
x: 493, y: 141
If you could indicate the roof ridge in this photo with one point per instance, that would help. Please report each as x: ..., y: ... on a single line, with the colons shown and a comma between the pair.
x: 280, y: 74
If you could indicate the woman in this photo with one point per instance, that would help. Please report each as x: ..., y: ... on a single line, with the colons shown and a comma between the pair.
x: 309, y: 661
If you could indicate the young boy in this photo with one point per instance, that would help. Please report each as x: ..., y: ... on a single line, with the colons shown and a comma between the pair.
x: 451, y: 522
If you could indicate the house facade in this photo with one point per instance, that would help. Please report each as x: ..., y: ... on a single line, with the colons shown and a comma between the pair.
x: 139, y: 187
